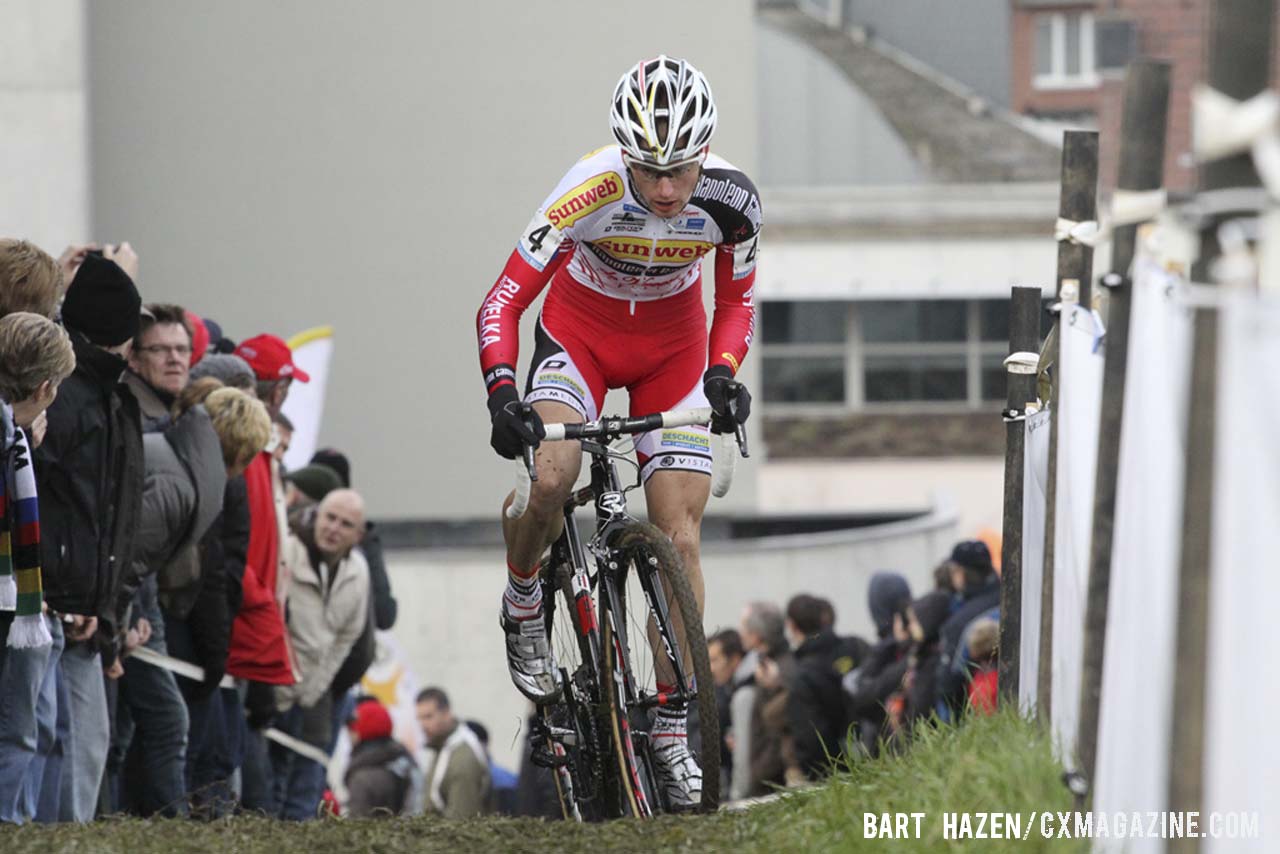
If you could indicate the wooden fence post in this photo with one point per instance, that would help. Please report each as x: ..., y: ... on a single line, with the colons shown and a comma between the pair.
x: 1142, y: 137
x: 1077, y: 202
x: 1024, y: 337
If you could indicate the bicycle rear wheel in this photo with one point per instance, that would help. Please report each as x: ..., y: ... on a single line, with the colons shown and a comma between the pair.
x: 648, y: 554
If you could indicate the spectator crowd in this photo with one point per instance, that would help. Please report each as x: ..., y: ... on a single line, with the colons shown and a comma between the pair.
x: 170, y: 596
x: 179, y: 614
x: 796, y: 699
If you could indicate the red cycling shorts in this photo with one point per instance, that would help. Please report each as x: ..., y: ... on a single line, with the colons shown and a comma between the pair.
x: 588, y: 343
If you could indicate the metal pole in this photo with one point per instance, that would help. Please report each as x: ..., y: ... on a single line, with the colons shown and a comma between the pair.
x: 1239, y: 63
x: 1078, y: 203
x: 1024, y: 337
x: 1142, y: 138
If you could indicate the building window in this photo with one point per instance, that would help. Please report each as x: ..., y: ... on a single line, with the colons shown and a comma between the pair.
x: 1064, y: 51
x: 884, y: 354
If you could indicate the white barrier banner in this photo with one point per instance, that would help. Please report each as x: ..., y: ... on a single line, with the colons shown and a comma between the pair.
x: 1131, y: 773
x: 1035, y: 483
x: 1079, y: 406
x: 312, y: 352
x: 1242, y: 743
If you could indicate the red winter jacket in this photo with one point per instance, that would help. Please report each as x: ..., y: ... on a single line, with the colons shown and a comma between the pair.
x: 259, y: 642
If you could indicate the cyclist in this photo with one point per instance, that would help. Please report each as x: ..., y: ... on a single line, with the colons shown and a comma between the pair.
x: 621, y: 239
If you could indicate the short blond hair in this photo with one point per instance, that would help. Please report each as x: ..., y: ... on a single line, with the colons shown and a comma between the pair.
x: 196, y: 391
x: 241, y: 422
x: 33, y: 350
x: 30, y: 280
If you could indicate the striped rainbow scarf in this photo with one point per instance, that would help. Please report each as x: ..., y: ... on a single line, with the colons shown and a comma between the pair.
x: 20, y: 587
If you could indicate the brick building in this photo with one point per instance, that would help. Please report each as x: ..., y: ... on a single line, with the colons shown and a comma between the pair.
x: 1068, y: 60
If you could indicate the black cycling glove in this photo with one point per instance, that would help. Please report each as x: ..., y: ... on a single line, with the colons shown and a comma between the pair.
x: 721, y: 391
x: 515, y: 424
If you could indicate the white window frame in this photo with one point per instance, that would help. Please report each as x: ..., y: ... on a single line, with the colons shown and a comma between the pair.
x: 1058, y: 78
x: 971, y: 350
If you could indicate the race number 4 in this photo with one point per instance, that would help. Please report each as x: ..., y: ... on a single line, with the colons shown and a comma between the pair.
x: 539, y: 241
x: 744, y: 257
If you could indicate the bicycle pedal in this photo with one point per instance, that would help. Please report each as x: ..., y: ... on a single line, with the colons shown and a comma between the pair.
x: 544, y: 757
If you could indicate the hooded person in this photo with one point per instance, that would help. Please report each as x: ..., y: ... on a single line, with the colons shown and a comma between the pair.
x: 887, y: 594
x: 382, y: 778
x: 977, y: 585
x: 928, y: 613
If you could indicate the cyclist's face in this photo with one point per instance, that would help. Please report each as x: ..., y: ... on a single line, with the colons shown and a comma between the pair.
x: 665, y: 191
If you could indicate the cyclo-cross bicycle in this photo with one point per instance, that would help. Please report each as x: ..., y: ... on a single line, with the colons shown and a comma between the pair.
x: 604, y: 625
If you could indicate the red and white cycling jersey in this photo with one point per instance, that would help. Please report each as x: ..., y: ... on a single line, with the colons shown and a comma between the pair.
x: 624, y: 299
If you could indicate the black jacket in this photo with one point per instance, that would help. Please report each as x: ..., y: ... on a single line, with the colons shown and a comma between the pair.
x: 89, y: 472
x: 816, y: 708
x: 869, y: 688
x: 950, y: 683
x: 222, y: 558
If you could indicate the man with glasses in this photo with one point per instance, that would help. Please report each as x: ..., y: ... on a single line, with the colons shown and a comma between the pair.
x: 160, y: 363
x: 621, y: 241
x: 152, y: 721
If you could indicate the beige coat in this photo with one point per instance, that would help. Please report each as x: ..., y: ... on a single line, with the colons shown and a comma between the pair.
x: 323, y: 624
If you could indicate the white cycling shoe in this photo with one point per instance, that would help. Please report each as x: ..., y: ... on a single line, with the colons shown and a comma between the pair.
x: 529, y: 660
x: 678, y: 773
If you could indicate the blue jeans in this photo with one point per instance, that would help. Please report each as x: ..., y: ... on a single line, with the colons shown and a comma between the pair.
x: 151, y: 712
x: 28, y: 716
x: 257, y: 777
x: 214, y: 751
x: 299, y: 782
x: 88, y: 733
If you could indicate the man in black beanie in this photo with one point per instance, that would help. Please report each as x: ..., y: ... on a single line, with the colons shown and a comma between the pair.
x: 89, y: 472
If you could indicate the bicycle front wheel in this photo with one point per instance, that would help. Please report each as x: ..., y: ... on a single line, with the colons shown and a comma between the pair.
x: 656, y: 612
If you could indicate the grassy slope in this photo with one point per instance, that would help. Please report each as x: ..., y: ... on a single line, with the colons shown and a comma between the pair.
x: 998, y: 764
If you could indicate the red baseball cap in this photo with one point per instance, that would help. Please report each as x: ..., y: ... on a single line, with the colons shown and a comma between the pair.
x: 270, y: 359
x: 370, y: 720
x: 199, y: 336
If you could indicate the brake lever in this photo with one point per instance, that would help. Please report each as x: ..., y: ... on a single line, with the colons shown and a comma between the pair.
x: 527, y: 409
x: 739, y: 430
x: 529, y: 463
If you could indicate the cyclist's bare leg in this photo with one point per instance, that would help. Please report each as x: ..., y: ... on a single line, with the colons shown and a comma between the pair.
x: 529, y: 659
x: 676, y: 500
x: 558, y: 466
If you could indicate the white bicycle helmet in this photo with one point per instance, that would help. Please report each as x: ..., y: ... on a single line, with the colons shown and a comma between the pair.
x: 663, y: 113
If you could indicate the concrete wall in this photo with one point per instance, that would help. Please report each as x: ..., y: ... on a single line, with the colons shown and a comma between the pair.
x: 288, y: 164
x: 448, y: 623
x: 968, y: 41
x: 974, y: 486
x: 44, y: 162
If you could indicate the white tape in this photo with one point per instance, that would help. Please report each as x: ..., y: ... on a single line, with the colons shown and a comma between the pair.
x: 1133, y: 206
x: 297, y: 745
x: 177, y: 666
x: 523, y: 486
x: 1022, y: 362
x: 723, y: 460
x: 1222, y: 127
x: 1088, y: 233
x: 186, y: 669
